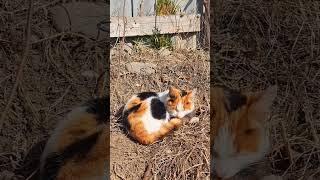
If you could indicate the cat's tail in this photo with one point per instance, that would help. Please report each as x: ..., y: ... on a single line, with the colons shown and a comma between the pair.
x: 75, y: 136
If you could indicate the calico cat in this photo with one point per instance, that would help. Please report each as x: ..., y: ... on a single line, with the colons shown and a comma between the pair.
x: 238, y: 126
x: 78, y: 147
x: 150, y: 116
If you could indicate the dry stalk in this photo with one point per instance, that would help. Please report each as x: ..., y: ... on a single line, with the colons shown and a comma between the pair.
x: 23, y: 61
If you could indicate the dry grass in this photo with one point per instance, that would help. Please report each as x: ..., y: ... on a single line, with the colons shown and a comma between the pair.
x: 185, y: 153
x: 55, y: 77
x: 258, y: 43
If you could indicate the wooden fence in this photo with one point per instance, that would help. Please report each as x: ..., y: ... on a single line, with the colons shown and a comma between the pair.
x: 130, y: 18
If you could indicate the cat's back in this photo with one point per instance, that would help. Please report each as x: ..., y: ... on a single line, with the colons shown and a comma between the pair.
x: 145, y: 103
x: 77, y: 147
x: 146, y: 108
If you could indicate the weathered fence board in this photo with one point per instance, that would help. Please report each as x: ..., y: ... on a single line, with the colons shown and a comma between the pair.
x: 145, y: 25
x: 121, y: 8
x: 147, y: 7
x: 144, y: 8
x: 131, y: 18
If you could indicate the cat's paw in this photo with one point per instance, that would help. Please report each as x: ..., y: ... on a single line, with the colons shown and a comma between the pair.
x: 176, y: 122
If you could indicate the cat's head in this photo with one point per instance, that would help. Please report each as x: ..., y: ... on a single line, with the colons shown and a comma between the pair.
x: 239, y: 128
x: 179, y: 103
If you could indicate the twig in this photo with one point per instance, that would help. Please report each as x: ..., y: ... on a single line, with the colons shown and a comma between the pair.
x: 141, y: 8
x: 60, y: 98
x: 23, y: 61
x: 32, y: 174
x: 148, y: 173
x: 101, y: 82
x: 116, y: 173
x: 6, y: 41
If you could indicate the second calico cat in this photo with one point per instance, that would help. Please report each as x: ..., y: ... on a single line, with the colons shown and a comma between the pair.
x: 78, y: 147
x: 238, y: 125
x: 150, y: 116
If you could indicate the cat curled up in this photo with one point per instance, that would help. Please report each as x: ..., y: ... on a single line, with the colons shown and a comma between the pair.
x: 78, y: 147
x: 150, y: 116
x: 238, y: 124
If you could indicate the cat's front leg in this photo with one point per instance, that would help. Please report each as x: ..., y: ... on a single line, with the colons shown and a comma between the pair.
x: 176, y: 122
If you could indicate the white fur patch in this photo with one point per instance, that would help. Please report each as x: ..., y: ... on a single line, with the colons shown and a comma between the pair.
x: 163, y: 95
x: 228, y: 162
x: 223, y: 143
x: 151, y: 124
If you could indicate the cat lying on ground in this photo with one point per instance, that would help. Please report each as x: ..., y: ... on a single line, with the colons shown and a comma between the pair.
x: 150, y: 116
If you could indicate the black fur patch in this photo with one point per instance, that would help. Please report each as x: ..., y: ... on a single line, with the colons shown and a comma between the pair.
x: 183, y: 93
x: 126, y: 114
x: 158, y: 110
x: 173, y: 97
x: 234, y: 99
x: 77, y: 150
x: 145, y: 95
x: 100, y: 107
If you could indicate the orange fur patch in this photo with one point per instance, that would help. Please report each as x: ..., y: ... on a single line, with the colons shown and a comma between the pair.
x: 133, y: 102
x: 84, y: 126
x: 175, y: 99
x: 92, y: 165
x: 187, y: 101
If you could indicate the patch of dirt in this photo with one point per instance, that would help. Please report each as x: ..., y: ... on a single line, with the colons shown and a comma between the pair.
x: 185, y: 153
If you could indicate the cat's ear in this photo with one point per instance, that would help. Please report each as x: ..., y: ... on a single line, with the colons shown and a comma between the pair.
x: 262, y: 101
x: 172, y: 89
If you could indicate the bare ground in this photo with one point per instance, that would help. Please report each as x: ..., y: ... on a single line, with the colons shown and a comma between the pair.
x: 185, y: 153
